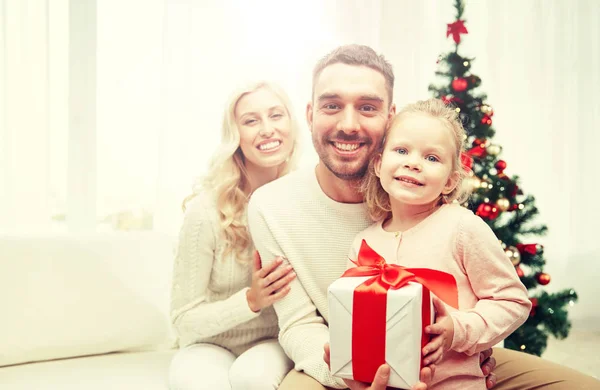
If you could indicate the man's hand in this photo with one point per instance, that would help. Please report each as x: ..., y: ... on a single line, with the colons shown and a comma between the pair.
x: 382, y: 376
x: 488, y: 363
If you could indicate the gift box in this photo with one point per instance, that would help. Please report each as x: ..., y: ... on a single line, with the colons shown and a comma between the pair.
x: 378, y: 313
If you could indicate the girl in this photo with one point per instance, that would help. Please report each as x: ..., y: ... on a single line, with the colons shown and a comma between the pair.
x: 221, y: 298
x: 413, y: 189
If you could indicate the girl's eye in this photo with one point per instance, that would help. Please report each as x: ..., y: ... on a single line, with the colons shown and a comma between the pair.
x: 276, y: 116
x: 401, y: 151
x: 250, y: 122
x: 432, y: 159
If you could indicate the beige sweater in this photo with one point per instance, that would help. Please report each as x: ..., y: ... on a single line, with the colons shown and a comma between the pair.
x: 291, y: 216
x: 208, y: 298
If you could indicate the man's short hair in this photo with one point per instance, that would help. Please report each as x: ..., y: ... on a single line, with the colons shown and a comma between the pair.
x: 359, y: 55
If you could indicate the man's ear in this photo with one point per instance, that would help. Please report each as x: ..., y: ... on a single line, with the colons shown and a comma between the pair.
x: 451, y: 183
x: 377, y: 164
x: 392, y: 111
x: 309, y: 115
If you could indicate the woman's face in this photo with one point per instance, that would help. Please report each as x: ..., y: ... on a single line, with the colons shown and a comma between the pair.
x: 265, y: 128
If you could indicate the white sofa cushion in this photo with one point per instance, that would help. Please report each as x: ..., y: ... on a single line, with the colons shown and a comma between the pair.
x: 75, y: 295
x: 119, y: 371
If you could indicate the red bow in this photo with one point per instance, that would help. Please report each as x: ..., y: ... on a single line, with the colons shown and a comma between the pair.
x: 455, y: 29
x: 370, y: 305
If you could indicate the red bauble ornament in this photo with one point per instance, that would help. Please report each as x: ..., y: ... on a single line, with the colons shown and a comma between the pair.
x: 459, y: 84
x: 520, y: 272
x: 448, y: 99
x: 531, y: 249
x: 467, y: 162
x: 542, y: 278
x: 488, y: 210
x: 534, y: 305
x: 478, y: 142
x: 477, y: 151
x: 486, y: 120
x: 513, y: 207
x: 500, y: 165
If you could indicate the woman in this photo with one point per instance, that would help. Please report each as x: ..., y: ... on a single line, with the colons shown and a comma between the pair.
x: 222, y: 300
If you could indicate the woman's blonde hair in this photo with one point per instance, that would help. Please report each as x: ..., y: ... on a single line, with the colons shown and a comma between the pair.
x: 227, y: 177
x: 377, y: 199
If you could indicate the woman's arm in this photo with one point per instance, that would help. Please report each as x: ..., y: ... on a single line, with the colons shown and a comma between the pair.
x: 191, y: 314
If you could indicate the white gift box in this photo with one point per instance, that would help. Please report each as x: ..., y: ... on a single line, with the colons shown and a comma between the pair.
x: 403, y: 330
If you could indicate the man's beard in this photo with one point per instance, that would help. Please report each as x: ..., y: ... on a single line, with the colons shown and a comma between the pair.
x: 321, y: 146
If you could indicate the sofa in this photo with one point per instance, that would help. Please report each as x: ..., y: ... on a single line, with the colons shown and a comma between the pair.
x: 85, y: 311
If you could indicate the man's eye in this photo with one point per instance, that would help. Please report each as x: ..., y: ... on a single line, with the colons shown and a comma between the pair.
x: 368, y: 108
x: 331, y: 106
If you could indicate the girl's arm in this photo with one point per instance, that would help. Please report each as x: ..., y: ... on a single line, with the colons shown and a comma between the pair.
x: 503, y: 302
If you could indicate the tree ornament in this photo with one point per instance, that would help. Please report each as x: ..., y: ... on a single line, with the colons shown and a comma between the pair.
x: 459, y: 84
x: 488, y: 210
x: 477, y: 151
x: 534, y: 306
x: 450, y: 99
x: 487, y: 110
x: 520, y: 272
x: 542, y: 278
x: 455, y: 29
x: 486, y: 120
x: 500, y: 165
x: 503, y: 204
x: 513, y: 255
x: 531, y: 249
x: 467, y: 162
x: 480, y: 142
x: 494, y: 150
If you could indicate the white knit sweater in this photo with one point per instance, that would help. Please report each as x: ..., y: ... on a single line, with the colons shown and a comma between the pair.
x: 208, y: 298
x: 294, y: 218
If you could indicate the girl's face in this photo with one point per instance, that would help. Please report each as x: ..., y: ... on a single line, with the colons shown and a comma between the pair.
x: 265, y: 128
x: 416, y: 165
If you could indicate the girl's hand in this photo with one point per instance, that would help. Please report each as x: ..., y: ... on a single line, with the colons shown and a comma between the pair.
x: 269, y: 284
x: 443, y: 333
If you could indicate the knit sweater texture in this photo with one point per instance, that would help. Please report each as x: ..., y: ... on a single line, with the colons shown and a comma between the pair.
x: 208, y: 297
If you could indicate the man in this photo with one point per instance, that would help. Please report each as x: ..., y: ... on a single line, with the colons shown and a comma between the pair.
x: 310, y: 217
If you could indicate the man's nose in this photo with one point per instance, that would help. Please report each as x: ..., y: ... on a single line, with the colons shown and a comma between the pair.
x: 349, y: 122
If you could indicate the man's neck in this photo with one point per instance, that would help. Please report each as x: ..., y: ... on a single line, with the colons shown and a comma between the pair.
x: 340, y: 190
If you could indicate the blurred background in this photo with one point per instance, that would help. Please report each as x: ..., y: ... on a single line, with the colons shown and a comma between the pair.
x: 109, y: 109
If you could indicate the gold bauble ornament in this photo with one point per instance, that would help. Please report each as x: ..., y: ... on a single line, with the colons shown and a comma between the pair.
x: 513, y: 255
x: 494, y: 150
x: 503, y: 204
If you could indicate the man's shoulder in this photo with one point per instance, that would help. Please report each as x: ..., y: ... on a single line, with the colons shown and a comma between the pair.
x: 283, y: 189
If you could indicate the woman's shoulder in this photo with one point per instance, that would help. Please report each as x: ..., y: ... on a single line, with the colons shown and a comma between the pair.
x: 201, y: 205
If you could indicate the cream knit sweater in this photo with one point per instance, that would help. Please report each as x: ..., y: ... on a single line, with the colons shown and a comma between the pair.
x: 292, y: 217
x: 208, y: 298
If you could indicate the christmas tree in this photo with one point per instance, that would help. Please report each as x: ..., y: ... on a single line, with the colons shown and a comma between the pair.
x: 498, y: 198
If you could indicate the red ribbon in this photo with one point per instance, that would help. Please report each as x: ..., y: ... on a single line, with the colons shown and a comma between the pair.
x: 455, y: 29
x: 370, y: 305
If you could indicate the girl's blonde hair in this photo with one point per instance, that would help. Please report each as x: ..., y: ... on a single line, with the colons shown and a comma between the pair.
x: 227, y: 177
x: 377, y: 199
